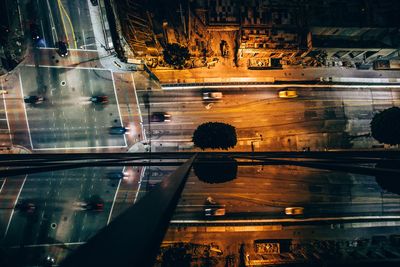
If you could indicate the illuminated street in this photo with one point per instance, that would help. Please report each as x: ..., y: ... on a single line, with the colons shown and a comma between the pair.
x: 100, y: 100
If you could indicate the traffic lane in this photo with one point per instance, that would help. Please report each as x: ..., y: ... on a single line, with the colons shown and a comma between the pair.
x: 57, y: 216
x: 321, y: 194
x: 78, y: 12
x: 67, y: 94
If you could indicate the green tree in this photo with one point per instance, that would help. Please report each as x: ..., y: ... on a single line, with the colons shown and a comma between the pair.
x: 215, y: 135
x: 385, y: 126
x: 176, y: 54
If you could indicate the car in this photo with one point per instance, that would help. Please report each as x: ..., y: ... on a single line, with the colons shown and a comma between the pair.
x: 3, y: 92
x: 212, y: 95
x: 62, y: 49
x: 294, y: 210
x: 115, y: 175
x: 90, y: 206
x: 35, y: 32
x: 160, y: 117
x: 33, y: 99
x: 117, y: 130
x: 26, y: 206
x: 212, y: 208
x: 94, y: 2
x: 215, y: 211
x: 99, y: 99
x: 288, y: 93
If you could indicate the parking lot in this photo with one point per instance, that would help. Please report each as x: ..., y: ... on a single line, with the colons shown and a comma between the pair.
x: 67, y: 118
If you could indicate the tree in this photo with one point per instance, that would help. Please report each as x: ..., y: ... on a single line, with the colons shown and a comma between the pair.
x: 388, y: 182
x: 215, y: 135
x: 385, y: 126
x: 176, y: 54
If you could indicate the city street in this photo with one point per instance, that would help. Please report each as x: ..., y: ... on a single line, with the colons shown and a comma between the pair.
x: 318, y: 118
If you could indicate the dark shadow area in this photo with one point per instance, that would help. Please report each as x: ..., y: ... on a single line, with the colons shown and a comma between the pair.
x: 216, y: 169
x: 388, y: 182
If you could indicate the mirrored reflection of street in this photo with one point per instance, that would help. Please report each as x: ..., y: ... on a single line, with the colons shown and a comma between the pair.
x: 55, y: 212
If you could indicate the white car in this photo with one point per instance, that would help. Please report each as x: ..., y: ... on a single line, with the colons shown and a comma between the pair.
x: 3, y: 92
x: 212, y: 96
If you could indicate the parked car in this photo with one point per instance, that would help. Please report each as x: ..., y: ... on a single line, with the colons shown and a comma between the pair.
x: 99, y: 99
x: 62, y: 49
x: 160, y: 117
x: 212, y: 95
x: 33, y: 99
x: 288, y: 93
x: 117, y: 130
x: 294, y: 210
x: 3, y: 92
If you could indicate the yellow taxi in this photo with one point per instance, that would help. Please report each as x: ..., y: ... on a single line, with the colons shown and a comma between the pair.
x: 288, y: 93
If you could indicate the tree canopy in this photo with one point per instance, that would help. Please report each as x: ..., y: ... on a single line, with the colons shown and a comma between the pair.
x: 215, y: 135
x: 385, y: 126
x: 176, y: 54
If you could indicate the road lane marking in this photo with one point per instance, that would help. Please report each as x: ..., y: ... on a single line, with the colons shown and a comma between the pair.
x: 115, y: 197
x: 44, y: 37
x: 26, y: 114
x: 116, y: 99
x: 5, y: 111
x: 191, y: 87
x: 70, y: 23
x: 66, y: 67
x: 295, y: 220
x: 52, y: 24
x: 140, y: 183
x: 50, y: 245
x: 15, y: 203
x: 62, y: 20
x: 74, y: 148
x: 2, y: 185
x: 138, y: 106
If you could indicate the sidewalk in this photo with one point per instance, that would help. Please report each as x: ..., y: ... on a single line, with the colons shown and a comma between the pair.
x: 223, y: 72
x: 101, y: 29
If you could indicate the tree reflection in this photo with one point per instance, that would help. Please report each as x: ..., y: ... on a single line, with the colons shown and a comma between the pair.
x: 216, y: 169
x: 388, y: 182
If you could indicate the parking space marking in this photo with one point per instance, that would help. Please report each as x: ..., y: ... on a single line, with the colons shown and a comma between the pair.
x: 116, y: 99
x: 2, y: 185
x: 26, y: 114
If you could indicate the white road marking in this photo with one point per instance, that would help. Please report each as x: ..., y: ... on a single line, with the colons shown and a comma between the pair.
x: 115, y: 197
x: 138, y: 105
x: 2, y: 185
x: 116, y: 99
x: 49, y: 245
x: 20, y: 17
x: 5, y: 111
x: 44, y: 38
x: 290, y: 220
x: 140, y: 184
x: 65, y: 67
x: 53, y: 26
x: 26, y: 114
x: 191, y: 87
x: 15, y: 203
x: 73, y: 148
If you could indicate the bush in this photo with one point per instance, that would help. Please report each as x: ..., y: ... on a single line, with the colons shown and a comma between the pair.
x: 176, y: 55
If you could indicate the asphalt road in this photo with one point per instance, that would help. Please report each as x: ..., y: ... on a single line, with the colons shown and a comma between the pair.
x: 319, y: 118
